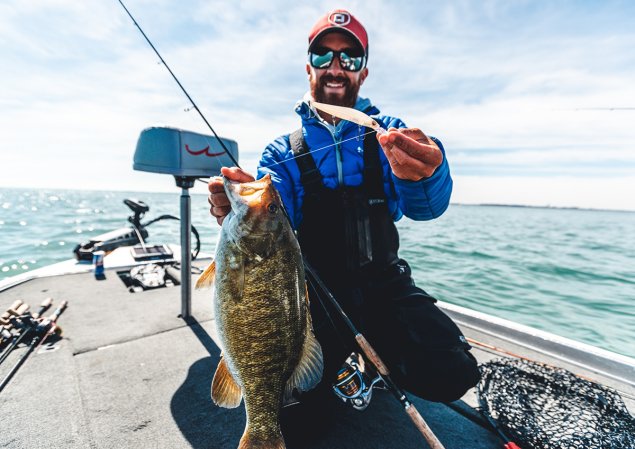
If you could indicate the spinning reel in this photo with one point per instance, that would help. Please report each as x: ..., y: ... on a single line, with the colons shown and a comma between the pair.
x: 353, y: 384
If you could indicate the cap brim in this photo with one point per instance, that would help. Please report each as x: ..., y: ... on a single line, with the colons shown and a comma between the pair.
x: 335, y: 29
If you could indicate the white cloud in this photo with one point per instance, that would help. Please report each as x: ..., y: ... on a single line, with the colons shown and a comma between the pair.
x: 80, y: 83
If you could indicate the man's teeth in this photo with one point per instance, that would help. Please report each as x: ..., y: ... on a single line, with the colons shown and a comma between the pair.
x: 334, y: 84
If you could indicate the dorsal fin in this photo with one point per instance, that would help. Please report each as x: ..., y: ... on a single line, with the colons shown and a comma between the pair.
x: 225, y: 391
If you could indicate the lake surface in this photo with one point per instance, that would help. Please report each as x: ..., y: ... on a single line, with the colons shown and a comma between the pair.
x: 570, y: 272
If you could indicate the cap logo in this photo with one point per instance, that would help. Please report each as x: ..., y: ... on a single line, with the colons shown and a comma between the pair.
x: 340, y: 19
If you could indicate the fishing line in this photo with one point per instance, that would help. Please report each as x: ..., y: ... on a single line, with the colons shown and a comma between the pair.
x: 309, y: 152
x: 318, y: 149
x: 181, y: 86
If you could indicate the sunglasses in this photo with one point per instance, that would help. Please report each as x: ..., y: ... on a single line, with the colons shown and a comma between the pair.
x: 350, y: 60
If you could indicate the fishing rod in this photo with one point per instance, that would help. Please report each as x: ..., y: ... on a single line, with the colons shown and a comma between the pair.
x: 414, y: 415
x: 12, y: 316
x: 6, y: 324
x: 29, y: 323
x: 378, y: 363
x: 15, y: 309
x: 44, y: 329
x: 11, y: 310
x: 181, y: 86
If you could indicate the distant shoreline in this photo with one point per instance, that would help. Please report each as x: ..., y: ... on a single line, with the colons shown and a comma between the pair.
x: 543, y: 207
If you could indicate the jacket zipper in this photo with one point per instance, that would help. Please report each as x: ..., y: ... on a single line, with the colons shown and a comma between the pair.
x: 339, y: 158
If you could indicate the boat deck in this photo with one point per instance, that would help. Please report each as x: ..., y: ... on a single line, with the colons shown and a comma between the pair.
x: 129, y: 373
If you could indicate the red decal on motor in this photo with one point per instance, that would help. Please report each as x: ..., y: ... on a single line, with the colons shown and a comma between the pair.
x: 203, y: 151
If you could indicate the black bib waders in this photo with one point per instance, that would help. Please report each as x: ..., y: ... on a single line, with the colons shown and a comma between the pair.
x: 349, y: 237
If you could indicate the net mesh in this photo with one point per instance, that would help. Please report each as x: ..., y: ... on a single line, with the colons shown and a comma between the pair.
x: 540, y: 407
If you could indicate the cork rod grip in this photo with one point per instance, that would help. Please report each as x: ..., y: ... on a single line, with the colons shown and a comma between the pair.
x: 423, y: 427
x: 372, y: 355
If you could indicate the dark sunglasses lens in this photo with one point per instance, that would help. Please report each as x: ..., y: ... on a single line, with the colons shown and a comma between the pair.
x: 321, y: 61
x: 351, y: 63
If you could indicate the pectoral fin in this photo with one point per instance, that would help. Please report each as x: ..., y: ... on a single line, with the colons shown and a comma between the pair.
x: 225, y: 391
x: 308, y: 373
x: 207, y: 278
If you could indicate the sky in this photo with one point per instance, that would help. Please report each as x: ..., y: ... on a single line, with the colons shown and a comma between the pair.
x: 533, y: 100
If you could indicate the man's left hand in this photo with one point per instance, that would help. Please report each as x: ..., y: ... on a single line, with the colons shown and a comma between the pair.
x: 412, y: 155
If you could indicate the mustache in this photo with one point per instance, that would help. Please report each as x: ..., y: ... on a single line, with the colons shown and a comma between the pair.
x: 333, y: 79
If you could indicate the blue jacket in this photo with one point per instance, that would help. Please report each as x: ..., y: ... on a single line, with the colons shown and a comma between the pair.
x: 338, y: 154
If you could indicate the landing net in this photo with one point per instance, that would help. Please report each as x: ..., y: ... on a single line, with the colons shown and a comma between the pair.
x: 540, y: 407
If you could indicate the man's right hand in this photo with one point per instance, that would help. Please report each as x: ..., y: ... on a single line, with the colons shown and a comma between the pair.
x: 217, y: 197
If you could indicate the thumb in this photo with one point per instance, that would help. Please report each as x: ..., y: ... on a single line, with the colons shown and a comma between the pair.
x: 415, y: 134
x: 236, y: 174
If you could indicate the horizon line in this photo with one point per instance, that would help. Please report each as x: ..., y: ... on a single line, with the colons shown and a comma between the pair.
x: 177, y: 192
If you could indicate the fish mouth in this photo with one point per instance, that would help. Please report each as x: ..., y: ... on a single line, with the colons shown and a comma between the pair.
x: 248, y: 193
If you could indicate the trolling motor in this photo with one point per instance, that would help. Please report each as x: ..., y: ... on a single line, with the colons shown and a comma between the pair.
x: 187, y: 156
x: 127, y: 236
x: 139, y: 208
x: 134, y: 235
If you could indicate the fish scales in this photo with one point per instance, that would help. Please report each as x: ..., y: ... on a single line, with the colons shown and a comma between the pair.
x: 261, y: 311
x: 260, y: 330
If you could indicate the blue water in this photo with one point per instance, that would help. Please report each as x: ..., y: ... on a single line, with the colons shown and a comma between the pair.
x: 570, y: 272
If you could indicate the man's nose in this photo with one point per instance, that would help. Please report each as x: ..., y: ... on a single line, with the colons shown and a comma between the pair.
x: 335, y: 67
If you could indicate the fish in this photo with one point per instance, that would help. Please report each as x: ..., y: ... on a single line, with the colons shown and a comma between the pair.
x: 261, y: 308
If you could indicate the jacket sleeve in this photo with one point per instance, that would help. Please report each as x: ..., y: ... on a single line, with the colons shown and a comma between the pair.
x: 275, y: 162
x: 428, y: 198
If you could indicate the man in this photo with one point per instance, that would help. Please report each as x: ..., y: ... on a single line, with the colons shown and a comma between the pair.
x: 343, y: 195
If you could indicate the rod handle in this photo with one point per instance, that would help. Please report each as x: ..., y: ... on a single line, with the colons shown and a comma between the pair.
x: 21, y: 310
x: 423, y: 427
x: 45, y: 305
x: 5, y: 319
x: 372, y: 355
x: 17, y: 303
x: 59, y: 311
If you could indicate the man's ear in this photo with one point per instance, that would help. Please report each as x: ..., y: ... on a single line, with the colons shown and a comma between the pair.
x: 308, y: 69
x: 362, y: 76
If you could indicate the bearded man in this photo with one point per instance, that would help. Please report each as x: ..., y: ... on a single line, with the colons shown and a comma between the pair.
x: 343, y: 187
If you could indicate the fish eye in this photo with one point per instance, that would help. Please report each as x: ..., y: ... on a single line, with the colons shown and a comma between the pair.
x: 272, y: 208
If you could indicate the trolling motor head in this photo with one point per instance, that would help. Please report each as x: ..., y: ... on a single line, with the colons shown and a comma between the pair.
x: 119, y: 237
x: 139, y: 208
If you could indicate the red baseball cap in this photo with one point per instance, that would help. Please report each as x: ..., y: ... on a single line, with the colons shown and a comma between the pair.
x: 342, y: 21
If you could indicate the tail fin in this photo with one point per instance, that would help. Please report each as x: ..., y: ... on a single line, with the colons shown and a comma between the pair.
x: 249, y: 442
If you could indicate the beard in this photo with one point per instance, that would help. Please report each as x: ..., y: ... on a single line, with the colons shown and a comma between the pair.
x: 348, y: 99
